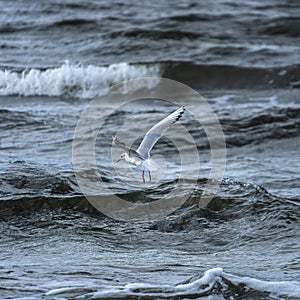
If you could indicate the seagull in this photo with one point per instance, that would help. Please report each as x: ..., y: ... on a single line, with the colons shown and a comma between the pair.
x: 141, y: 156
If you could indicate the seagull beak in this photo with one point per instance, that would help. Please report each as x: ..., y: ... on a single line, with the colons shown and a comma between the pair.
x: 119, y: 159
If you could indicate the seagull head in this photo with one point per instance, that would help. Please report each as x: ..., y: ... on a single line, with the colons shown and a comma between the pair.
x: 124, y: 156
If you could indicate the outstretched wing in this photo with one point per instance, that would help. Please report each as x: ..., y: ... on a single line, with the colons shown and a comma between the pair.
x: 157, y: 131
x: 130, y: 151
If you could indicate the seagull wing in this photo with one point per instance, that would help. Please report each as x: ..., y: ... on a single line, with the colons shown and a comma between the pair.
x: 157, y: 131
x: 130, y: 151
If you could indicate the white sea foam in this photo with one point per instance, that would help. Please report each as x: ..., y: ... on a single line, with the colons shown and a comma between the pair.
x: 212, y: 276
x: 275, y: 288
x: 70, y: 80
x: 203, y: 286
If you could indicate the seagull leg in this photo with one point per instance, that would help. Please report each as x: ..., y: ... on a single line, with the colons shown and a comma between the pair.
x: 143, y: 176
x: 149, y: 175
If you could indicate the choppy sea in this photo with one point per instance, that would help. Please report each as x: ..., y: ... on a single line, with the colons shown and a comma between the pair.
x: 243, y: 57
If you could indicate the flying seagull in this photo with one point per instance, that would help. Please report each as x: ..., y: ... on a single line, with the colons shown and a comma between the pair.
x: 141, y: 156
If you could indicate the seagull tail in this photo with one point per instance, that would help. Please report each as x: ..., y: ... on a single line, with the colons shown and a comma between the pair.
x: 149, y: 165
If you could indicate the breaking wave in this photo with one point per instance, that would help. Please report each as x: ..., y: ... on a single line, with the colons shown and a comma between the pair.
x: 214, y: 284
x: 70, y: 80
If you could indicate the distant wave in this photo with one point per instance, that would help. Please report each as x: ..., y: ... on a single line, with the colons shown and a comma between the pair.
x: 157, y: 34
x: 229, y: 76
x: 80, y: 81
x: 70, y: 80
x: 214, y: 282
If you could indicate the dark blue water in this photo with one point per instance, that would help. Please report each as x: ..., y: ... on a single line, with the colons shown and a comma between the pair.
x: 242, y: 57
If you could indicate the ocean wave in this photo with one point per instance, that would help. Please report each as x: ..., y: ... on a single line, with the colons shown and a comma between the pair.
x: 213, y: 284
x: 70, y: 80
x: 286, y: 26
x: 34, y: 190
x: 157, y: 34
x: 273, y: 123
x: 214, y: 76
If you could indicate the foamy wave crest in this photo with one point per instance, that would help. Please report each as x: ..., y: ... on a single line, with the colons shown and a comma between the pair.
x: 214, y: 284
x: 71, y: 80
